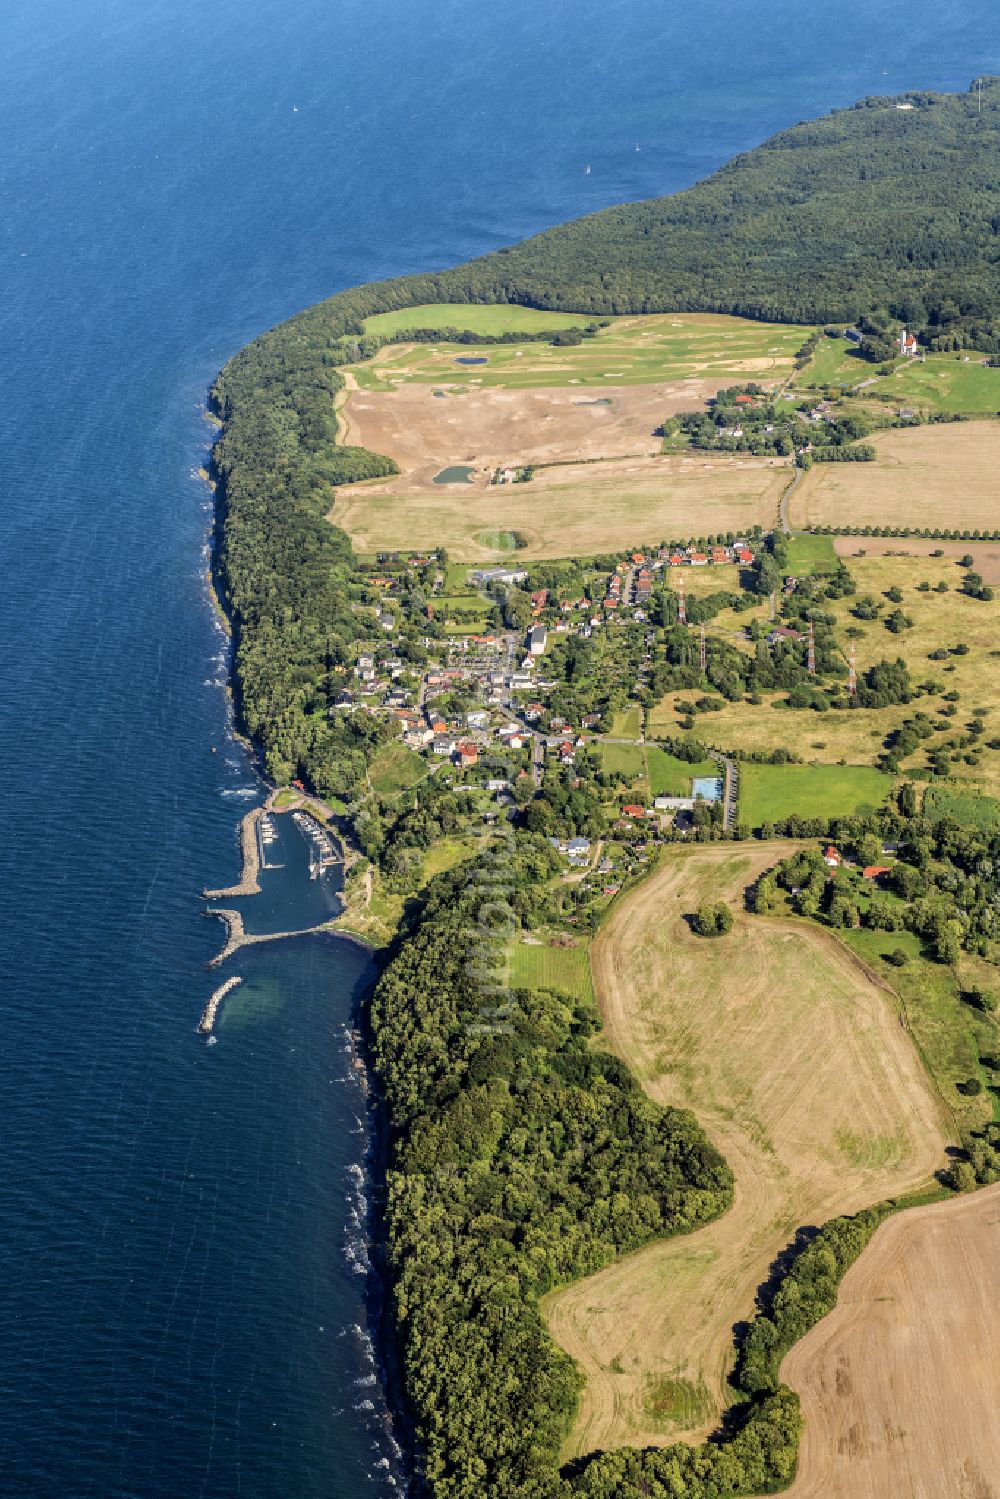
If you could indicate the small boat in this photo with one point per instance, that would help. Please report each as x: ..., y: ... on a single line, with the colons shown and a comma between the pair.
x: 587, y: 172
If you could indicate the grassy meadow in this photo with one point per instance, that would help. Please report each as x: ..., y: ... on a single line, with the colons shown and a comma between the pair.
x: 839, y: 1115
x: 652, y: 771
x: 941, y: 621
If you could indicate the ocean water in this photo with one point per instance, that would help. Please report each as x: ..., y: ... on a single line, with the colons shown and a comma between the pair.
x: 184, y: 1303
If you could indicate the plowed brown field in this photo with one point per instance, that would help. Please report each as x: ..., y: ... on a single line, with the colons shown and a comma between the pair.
x: 900, y: 1384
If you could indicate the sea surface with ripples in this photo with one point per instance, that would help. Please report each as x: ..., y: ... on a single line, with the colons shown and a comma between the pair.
x: 186, y: 1302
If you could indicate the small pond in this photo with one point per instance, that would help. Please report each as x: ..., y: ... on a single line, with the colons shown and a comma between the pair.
x: 472, y: 359
x: 459, y: 473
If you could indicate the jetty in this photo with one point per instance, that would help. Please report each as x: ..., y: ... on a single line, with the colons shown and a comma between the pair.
x: 248, y: 883
x: 211, y: 1010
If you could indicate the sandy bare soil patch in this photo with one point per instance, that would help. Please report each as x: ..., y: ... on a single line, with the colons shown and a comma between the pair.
x: 900, y: 1384
x: 928, y: 476
x: 986, y: 554
x: 572, y: 510
x: 425, y: 432
x: 796, y: 1063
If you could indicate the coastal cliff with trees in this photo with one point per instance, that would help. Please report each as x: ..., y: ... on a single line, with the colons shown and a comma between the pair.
x: 521, y: 1156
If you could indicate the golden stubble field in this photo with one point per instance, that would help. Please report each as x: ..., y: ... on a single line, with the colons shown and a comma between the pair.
x: 900, y: 1383
x: 796, y: 1063
x: 572, y: 510
x: 940, y: 475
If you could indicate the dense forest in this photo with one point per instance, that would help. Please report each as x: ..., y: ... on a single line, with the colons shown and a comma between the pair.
x: 520, y: 1156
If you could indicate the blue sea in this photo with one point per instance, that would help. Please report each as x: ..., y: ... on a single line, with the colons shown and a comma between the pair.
x: 185, y: 1304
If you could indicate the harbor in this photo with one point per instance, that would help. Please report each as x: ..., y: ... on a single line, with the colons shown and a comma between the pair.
x: 292, y: 871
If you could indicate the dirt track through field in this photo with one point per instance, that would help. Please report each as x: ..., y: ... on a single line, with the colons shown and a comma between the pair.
x: 900, y: 1384
x: 794, y: 1060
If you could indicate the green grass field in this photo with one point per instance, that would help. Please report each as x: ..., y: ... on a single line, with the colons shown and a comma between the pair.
x: 394, y: 768
x: 475, y: 317
x: 770, y: 793
x: 627, y: 724
x: 945, y: 383
x: 653, y: 770
x: 465, y: 613
x: 811, y: 554
x: 566, y: 970
x: 939, y: 382
x: 965, y: 805
x: 835, y: 363
x: 632, y: 351
x: 445, y: 853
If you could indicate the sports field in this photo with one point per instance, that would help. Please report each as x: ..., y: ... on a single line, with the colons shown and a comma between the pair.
x: 632, y: 350
x: 935, y: 476
x: 794, y: 1060
x: 573, y: 510
x: 809, y: 555
x: 769, y: 793
x: 899, y: 1382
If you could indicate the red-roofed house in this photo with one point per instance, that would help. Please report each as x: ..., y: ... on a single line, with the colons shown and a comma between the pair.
x: 634, y: 810
x: 872, y: 871
x: 831, y: 857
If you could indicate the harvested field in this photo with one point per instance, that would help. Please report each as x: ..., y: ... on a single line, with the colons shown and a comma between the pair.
x: 927, y: 476
x: 986, y: 554
x: 573, y: 510
x: 899, y: 1385
x: 797, y: 1065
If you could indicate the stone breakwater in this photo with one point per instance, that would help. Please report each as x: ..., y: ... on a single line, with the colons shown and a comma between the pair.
x: 249, y: 883
x: 215, y: 999
x: 235, y: 934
